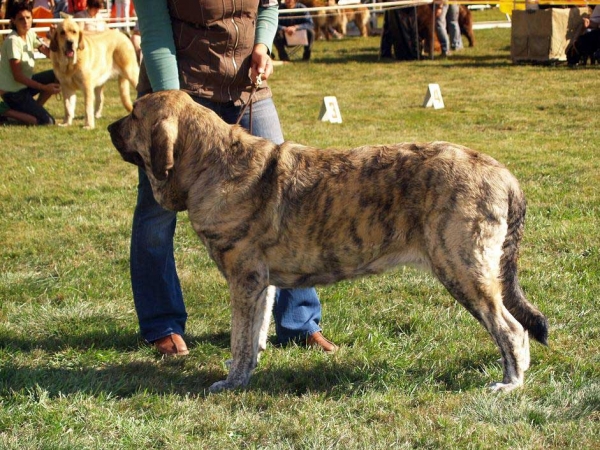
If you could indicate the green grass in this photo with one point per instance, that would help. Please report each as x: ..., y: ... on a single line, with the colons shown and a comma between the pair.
x: 413, y: 365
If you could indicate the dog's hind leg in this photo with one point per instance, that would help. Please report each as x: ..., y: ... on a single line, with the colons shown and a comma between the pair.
x: 88, y: 98
x: 483, y: 299
x: 251, y: 304
x: 465, y: 256
x: 98, y: 101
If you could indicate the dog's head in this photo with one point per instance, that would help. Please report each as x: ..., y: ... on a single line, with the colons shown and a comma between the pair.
x: 166, y: 135
x: 67, y: 39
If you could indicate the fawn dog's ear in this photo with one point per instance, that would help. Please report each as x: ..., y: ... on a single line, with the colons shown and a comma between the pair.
x: 80, y: 41
x: 53, y: 39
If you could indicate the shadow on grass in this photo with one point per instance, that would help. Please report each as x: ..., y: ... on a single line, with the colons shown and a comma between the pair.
x: 109, y: 338
x: 336, y: 377
x: 369, y: 56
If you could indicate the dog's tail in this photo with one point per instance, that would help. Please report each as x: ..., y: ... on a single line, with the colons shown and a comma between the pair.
x: 514, y: 298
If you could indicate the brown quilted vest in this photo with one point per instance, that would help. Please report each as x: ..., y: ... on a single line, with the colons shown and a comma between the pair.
x: 214, y: 42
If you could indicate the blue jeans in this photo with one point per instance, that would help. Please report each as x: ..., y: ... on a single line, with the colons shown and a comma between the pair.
x: 453, y: 27
x: 440, y: 28
x: 25, y: 102
x: 156, y: 289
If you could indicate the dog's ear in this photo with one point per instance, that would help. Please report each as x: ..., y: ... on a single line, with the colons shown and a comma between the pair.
x: 164, y: 135
x: 54, y: 40
x: 80, y: 44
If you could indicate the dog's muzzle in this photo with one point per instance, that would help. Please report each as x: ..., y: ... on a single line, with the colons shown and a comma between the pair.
x: 69, y: 51
x: 115, y: 136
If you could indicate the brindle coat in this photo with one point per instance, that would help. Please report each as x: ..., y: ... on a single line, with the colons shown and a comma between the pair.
x: 289, y: 215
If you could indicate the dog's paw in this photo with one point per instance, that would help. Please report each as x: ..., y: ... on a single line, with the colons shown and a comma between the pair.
x: 219, y: 386
x: 88, y: 127
x: 64, y: 124
x: 504, y: 387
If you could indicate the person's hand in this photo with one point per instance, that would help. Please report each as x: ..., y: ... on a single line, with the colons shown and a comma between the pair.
x: 53, y: 88
x: 261, y: 63
x: 290, y: 30
x: 44, y: 50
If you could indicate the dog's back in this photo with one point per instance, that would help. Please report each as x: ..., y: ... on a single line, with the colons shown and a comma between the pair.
x: 112, y: 54
x: 397, y: 192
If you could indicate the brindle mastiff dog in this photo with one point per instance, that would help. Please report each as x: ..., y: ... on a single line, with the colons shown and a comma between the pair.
x: 289, y: 215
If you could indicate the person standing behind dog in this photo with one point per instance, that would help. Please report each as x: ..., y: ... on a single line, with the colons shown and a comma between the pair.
x: 17, y: 62
x: 289, y: 24
x: 177, y: 39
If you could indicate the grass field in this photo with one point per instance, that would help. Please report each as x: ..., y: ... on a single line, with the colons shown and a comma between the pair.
x: 413, y: 365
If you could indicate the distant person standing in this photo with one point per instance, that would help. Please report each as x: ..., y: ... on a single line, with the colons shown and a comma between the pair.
x: 92, y: 11
x: 48, y: 4
x: 289, y: 24
x: 75, y: 6
x: 122, y: 11
x: 447, y: 27
x: 60, y: 6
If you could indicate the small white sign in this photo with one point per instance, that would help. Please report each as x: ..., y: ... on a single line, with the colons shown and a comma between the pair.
x: 298, y: 37
x: 330, y: 112
x: 433, y: 97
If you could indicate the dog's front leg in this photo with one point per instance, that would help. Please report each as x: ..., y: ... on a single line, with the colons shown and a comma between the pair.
x: 251, y: 304
x: 69, y: 99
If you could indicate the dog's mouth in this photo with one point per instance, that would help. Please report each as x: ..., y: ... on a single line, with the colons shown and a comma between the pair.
x: 69, y: 52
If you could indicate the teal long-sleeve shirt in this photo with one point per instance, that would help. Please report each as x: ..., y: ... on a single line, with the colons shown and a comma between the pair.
x: 158, y: 45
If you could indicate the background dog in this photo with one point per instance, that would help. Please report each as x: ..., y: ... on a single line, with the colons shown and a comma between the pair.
x: 328, y: 22
x: 587, y: 46
x: 87, y: 61
x: 288, y: 215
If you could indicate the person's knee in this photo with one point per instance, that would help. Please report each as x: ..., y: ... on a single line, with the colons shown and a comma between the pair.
x: 46, y: 120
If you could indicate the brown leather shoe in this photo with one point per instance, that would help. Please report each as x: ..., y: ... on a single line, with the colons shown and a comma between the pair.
x: 172, y: 345
x: 319, y: 341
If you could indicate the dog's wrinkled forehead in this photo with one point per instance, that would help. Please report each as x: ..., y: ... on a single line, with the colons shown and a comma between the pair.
x: 147, y: 108
x: 68, y: 28
x: 162, y: 105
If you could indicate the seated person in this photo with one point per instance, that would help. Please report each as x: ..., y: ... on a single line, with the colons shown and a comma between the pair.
x: 7, y: 113
x: 17, y: 62
x: 288, y: 24
x: 593, y: 22
x: 91, y: 12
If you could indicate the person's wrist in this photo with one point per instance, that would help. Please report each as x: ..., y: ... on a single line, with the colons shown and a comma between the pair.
x: 261, y: 49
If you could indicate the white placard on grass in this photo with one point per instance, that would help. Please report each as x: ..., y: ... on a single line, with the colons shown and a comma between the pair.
x: 433, y: 97
x: 330, y: 111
